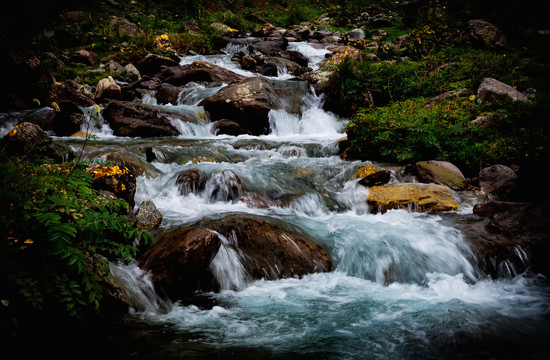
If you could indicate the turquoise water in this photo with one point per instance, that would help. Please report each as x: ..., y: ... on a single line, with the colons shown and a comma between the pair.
x: 404, y: 285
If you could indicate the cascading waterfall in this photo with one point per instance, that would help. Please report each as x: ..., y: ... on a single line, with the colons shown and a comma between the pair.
x: 227, y: 267
x: 403, y: 285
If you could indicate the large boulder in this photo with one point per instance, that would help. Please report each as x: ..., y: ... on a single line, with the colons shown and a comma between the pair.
x: 68, y: 120
x: 179, y: 261
x: 107, y: 88
x: 28, y: 138
x: 249, y: 101
x: 416, y: 197
x: 71, y: 91
x: 191, y: 181
x: 198, y: 71
x: 486, y: 34
x: 511, y: 239
x: 441, y: 172
x: 269, y: 46
x: 153, y: 63
x: 492, y: 89
x: 168, y: 95
x: 497, y: 181
x: 139, y: 120
x: 271, y: 250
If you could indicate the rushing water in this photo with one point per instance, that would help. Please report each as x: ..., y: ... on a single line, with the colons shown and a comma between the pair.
x: 404, y: 285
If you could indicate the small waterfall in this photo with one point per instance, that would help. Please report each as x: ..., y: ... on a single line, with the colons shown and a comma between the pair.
x: 193, y: 94
x: 223, y: 186
x: 315, y: 53
x: 137, y: 288
x: 232, y: 48
x: 227, y: 267
x: 313, y: 120
x: 310, y: 205
x: 94, y: 123
x: 401, y: 247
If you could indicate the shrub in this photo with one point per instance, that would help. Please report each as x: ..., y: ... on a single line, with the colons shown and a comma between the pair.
x: 410, y: 130
x: 449, y: 69
x: 57, y: 234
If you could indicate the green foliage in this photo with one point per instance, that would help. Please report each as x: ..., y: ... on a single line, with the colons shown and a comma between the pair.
x: 290, y: 13
x: 412, y: 130
x: 449, y: 69
x: 57, y: 234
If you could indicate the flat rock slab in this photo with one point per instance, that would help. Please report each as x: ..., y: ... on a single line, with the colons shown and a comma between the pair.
x: 416, y: 197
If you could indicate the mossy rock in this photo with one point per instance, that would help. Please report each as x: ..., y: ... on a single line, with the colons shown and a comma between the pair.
x: 416, y: 197
x: 441, y: 172
x: 365, y: 171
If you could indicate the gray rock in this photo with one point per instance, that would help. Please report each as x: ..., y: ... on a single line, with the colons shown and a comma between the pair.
x: 491, y: 89
x: 148, y: 216
x: 497, y: 181
x: 487, y: 34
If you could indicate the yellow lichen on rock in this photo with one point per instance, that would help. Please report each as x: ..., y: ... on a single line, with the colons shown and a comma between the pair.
x: 81, y: 133
x: 416, y: 197
x: 365, y: 171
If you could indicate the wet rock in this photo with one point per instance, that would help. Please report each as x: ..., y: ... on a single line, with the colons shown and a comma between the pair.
x: 295, y: 56
x: 511, y: 239
x: 139, y: 120
x: 28, y: 138
x: 41, y: 117
x: 249, y: 101
x: 441, y: 172
x: 492, y: 89
x: 168, y: 95
x: 270, y: 250
x: 269, y: 47
x: 179, y: 261
x: 107, y: 89
x: 229, y: 127
x: 199, y: 71
x: 378, y: 178
x: 224, y: 186
x: 272, y: 65
x: 191, y: 181
x: 497, y: 181
x: 148, y: 216
x: 68, y: 120
x: 416, y: 197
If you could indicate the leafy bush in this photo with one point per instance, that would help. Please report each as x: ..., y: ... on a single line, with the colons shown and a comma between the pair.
x: 449, y: 69
x: 410, y: 130
x: 57, y: 234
